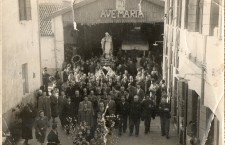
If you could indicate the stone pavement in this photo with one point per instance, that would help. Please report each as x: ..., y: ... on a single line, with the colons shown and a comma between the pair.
x: 153, y: 138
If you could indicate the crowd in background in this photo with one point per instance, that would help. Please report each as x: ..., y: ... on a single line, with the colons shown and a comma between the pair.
x: 87, y: 93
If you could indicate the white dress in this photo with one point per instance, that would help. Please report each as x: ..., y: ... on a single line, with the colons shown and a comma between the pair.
x: 107, y: 46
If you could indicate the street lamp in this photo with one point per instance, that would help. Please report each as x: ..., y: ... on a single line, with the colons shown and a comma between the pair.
x: 156, y: 43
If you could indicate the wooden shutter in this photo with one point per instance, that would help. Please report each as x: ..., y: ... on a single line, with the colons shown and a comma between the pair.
x: 22, y: 12
x: 28, y: 10
x: 25, y: 78
x: 189, y: 112
x: 180, y: 97
x: 195, y: 110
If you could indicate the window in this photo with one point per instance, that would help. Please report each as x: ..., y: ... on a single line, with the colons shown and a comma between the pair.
x: 24, y: 10
x: 214, y: 16
x: 195, y: 15
x: 25, y: 78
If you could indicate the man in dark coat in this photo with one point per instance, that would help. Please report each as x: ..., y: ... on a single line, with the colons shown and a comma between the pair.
x: 132, y: 92
x: 53, y: 138
x: 148, y: 110
x: 45, y: 79
x: 85, y: 115
x: 135, y: 115
x: 27, y: 114
x: 54, y: 104
x: 70, y: 90
x: 165, y: 116
x: 76, y: 99
x: 68, y: 112
x: 132, y: 69
x: 123, y: 112
x: 140, y: 92
x: 61, y: 101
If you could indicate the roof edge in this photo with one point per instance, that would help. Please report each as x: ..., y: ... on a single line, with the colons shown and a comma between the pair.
x: 81, y: 4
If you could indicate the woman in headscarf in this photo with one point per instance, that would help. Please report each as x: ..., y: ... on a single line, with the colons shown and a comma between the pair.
x: 27, y: 115
x: 41, y: 125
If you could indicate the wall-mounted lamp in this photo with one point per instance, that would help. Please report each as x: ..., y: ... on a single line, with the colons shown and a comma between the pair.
x: 156, y: 43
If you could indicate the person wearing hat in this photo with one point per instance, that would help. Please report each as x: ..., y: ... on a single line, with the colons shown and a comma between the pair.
x: 41, y: 125
x: 53, y: 138
x: 135, y: 115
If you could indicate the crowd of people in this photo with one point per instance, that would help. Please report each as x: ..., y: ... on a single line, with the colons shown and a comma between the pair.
x: 103, y: 100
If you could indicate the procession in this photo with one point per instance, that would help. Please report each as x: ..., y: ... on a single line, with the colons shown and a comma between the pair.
x: 88, y: 95
x: 112, y: 72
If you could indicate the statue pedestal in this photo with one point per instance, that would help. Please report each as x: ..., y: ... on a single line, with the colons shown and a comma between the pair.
x: 106, y: 62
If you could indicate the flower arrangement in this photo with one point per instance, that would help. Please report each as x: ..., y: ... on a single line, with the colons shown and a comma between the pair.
x: 81, y: 133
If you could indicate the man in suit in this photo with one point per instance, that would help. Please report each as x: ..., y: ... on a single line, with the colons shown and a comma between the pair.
x: 45, y: 80
x: 165, y: 116
x: 68, y: 112
x: 85, y: 115
x: 148, y: 110
x: 86, y: 101
x: 135, y: 115
x: 123, y: 112
x: 132, y: 92
x: 140, y: 92
x: 111, y: 105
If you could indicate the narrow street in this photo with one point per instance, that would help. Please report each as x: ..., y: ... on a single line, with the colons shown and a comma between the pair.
x: 153, y: 138
x: 99, y: 65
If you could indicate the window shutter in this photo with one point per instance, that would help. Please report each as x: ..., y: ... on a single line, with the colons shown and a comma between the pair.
x: 22, y: 12
x: 28, y: 10
x: 189, y: 112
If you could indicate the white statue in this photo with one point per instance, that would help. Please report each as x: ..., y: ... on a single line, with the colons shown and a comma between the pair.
x: 107, y: 46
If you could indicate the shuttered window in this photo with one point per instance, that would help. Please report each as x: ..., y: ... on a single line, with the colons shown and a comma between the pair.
x: 195, y: 14
x: 25, y: 78
x: 24, y: 10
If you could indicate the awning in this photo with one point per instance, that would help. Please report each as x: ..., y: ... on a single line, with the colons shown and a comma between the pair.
x: 135, y: 46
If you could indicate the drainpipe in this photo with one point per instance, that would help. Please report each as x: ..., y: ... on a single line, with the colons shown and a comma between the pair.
x: 201, y: 99
x: 39, y: 40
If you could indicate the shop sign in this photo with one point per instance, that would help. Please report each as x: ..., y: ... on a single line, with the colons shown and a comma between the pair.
x: 121, y: 14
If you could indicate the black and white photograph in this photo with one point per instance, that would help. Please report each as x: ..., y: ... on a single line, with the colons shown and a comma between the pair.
x: 112, y: 72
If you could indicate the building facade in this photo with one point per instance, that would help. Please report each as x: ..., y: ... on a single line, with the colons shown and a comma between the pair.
x: 21, y: 71
x: 52, y: 40
x: 193, y: 68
